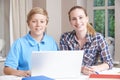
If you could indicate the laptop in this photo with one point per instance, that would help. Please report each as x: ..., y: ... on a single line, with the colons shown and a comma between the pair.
x: 57, y: 64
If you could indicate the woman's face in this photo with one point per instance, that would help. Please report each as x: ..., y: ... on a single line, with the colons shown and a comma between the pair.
x: 78, y: 20
x: 37, y: 24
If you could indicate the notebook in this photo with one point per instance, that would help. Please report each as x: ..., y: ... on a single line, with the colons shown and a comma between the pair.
x: 57, y: 64
x: 112, y: 74
x: 104, y: 77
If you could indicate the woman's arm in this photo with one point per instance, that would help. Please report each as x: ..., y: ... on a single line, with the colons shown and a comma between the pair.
x: 94, y: 69
x: 105, y: 55
x: 101, y: 67
x: 105, y: 58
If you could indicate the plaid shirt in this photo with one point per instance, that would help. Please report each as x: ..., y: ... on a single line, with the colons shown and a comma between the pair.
x: 94, y: 48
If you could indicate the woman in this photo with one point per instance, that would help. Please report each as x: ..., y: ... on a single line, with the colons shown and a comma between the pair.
x: 18, y: 59
x: 84, y: 37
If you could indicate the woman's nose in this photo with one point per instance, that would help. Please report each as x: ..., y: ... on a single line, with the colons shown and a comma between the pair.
x: 77, y: 21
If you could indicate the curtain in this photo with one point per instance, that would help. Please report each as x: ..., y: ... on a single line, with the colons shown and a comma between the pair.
x: 4, y: 26
x: 19, y: 11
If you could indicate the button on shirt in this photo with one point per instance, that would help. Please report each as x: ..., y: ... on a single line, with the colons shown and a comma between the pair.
x: 94, y: 48
x: 20, y: 53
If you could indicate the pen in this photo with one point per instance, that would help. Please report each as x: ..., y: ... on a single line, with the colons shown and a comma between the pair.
x: 96, y: 72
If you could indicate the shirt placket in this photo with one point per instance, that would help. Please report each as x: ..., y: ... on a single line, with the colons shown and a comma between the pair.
x: 38, y: 46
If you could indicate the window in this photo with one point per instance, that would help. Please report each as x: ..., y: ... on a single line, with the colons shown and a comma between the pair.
x: 104, y: 20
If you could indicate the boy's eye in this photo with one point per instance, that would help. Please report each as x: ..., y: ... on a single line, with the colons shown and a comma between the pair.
x: 33, y: 21
x: 42, y: 21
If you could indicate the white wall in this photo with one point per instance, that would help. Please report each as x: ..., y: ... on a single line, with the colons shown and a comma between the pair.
x: 54, y: 26
x: 82, y: 3
x: 117, y: 31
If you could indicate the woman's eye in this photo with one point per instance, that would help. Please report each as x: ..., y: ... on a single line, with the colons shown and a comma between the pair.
x: 80, y: 17
x: 73, y: 18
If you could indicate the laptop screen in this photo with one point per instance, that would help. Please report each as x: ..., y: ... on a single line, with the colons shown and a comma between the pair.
x: 57, y: 64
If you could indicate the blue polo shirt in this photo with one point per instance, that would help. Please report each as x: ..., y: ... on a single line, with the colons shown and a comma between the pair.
x: 20, y: 53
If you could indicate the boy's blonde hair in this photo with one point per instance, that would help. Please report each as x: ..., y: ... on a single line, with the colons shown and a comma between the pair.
x: 37, y: 10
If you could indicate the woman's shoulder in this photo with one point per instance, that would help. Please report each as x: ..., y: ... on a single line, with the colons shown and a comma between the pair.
x: 98, y: 37
x: 68, y: 34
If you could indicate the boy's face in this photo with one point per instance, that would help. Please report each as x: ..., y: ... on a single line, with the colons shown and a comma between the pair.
x: 37, y: 24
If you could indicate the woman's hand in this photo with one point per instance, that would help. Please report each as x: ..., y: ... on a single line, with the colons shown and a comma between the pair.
x: 88, y: 70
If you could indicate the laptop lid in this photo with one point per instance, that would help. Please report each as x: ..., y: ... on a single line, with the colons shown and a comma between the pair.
x: 57, y: 64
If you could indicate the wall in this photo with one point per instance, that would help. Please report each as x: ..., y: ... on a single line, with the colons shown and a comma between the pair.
x: 39, y: 3
x: 54, y: 25
x: 65, y: 20
x: 117, y: 31
x: 82, y: 3
x: 4, y: 25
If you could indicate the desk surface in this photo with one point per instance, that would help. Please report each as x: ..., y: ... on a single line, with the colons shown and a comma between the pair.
x: 82, y: 77
x: 10, y: 77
